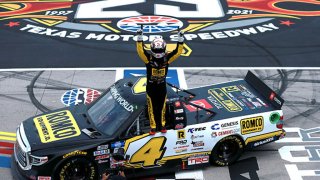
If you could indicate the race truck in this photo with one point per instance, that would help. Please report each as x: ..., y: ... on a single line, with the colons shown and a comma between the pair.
x: 209, y: 125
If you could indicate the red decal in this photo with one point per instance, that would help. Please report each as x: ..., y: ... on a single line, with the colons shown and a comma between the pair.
x: 272, y: 95
x: 12, y: 24
x: 287, y: 23
x: 201, y: 102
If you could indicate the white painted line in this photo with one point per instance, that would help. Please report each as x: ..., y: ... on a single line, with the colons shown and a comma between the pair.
x: 182, y: 79
x: 196, y: 174
x: 119, y: 74
x: 185, y: 68
x: 291, y: 139
x: 296, y: 174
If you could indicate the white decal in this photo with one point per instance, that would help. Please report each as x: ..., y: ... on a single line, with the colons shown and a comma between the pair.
x: 204, y: 9
x: 96, y: 9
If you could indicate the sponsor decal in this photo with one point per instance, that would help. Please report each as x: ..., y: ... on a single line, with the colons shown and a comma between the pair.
x: 117, y: 144
x: 181, y: 142
x: 224, y: 133
x: 191, y: 130
x: 56, y: 126
x: 75, y: 153
x: 79, y: 96
x: 230, y: 89
x: 179, y: 126
x: 245, y: 92
x: 102, y: 147
x: 198, y: 160
x: 263, y: 103
x: 178, y: 111
x: 152, y: 24
x: 181, y: 147
x: 215, y: 102
x: 263, y: 141
x: 215, y: 126
x: 196, y: 136
x: 201, y: 102
x: 247, y: 103
x: 44, y: 178
x: 181, y: 150
x: 252, y: 125
x: 255, y: 103
x: 225, y: 100
x: 197, y: 143
x: 179, y: 118
x: 172, y: 99
x: 197, y: 149
x: 229, y: 124
x: 105, y: 156
x: 103, y: 161
x: 181, y: 134
x: 177, y: 104
x: 124, y: 103
x: 101, y: 152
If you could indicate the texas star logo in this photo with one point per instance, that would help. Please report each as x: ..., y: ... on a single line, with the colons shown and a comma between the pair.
x: 117, y: 21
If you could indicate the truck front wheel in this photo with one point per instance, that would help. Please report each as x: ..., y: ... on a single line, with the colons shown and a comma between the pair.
x: 77, y: 168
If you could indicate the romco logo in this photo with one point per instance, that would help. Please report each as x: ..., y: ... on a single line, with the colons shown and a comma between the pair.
x: 114, y: 20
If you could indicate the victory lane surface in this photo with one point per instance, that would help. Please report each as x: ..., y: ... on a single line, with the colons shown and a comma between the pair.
x: 218, y: 33
x: 294, y: 157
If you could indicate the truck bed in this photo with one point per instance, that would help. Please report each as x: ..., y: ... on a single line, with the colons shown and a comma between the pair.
x: 231, y: 99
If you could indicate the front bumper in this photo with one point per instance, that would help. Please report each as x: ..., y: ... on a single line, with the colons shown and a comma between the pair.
x: 15, y: 170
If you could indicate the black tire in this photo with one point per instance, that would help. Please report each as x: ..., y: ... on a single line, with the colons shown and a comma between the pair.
x: 77, y: 168
x: 227, y: 151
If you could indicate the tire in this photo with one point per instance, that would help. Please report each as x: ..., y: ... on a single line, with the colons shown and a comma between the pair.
x: 76, y: 168
x: 227, y: 151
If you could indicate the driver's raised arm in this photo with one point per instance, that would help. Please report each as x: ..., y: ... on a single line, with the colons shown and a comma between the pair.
x: 143, y: 54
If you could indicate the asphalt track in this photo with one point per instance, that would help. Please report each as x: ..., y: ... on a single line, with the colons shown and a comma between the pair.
x: 264, y: 33
x: 299, y: 88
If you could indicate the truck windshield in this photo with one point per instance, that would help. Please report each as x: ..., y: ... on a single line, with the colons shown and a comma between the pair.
x: 110, y: 111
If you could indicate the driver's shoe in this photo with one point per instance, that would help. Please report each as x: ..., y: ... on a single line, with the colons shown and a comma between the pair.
x: 163, y: 130
x: 152, y: 131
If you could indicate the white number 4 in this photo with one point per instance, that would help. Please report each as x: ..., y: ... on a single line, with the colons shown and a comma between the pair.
x: 205, y: 9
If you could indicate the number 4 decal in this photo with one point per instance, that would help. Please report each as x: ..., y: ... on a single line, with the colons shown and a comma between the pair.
x: 140, y: 86
x: 150, y: 153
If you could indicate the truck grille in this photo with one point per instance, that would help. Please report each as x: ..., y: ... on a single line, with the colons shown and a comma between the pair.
x: 20, y: 155
x: 22, y: 149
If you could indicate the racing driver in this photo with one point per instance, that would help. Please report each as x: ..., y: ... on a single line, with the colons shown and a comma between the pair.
x: 157, y: 63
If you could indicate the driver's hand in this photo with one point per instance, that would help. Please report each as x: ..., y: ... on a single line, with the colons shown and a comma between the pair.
x: 180, y: 36
x: 105, y: 176
x: 139, y: 32
x: 140, y: 35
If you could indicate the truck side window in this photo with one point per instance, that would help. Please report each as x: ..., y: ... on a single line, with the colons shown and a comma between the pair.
x: 140, y: 126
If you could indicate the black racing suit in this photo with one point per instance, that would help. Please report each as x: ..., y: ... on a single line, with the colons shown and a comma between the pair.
x: 157, y: 70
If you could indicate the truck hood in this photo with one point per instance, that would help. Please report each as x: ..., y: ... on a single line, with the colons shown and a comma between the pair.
x: 57, y: 128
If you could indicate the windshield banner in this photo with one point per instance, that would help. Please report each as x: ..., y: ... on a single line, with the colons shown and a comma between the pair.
x: 124, y: 103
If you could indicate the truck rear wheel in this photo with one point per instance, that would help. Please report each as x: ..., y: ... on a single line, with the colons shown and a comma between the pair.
x: 227, y: 151
x: 77, y: 168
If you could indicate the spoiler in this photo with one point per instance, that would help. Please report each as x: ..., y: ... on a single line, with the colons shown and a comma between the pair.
x: 264, y: 90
